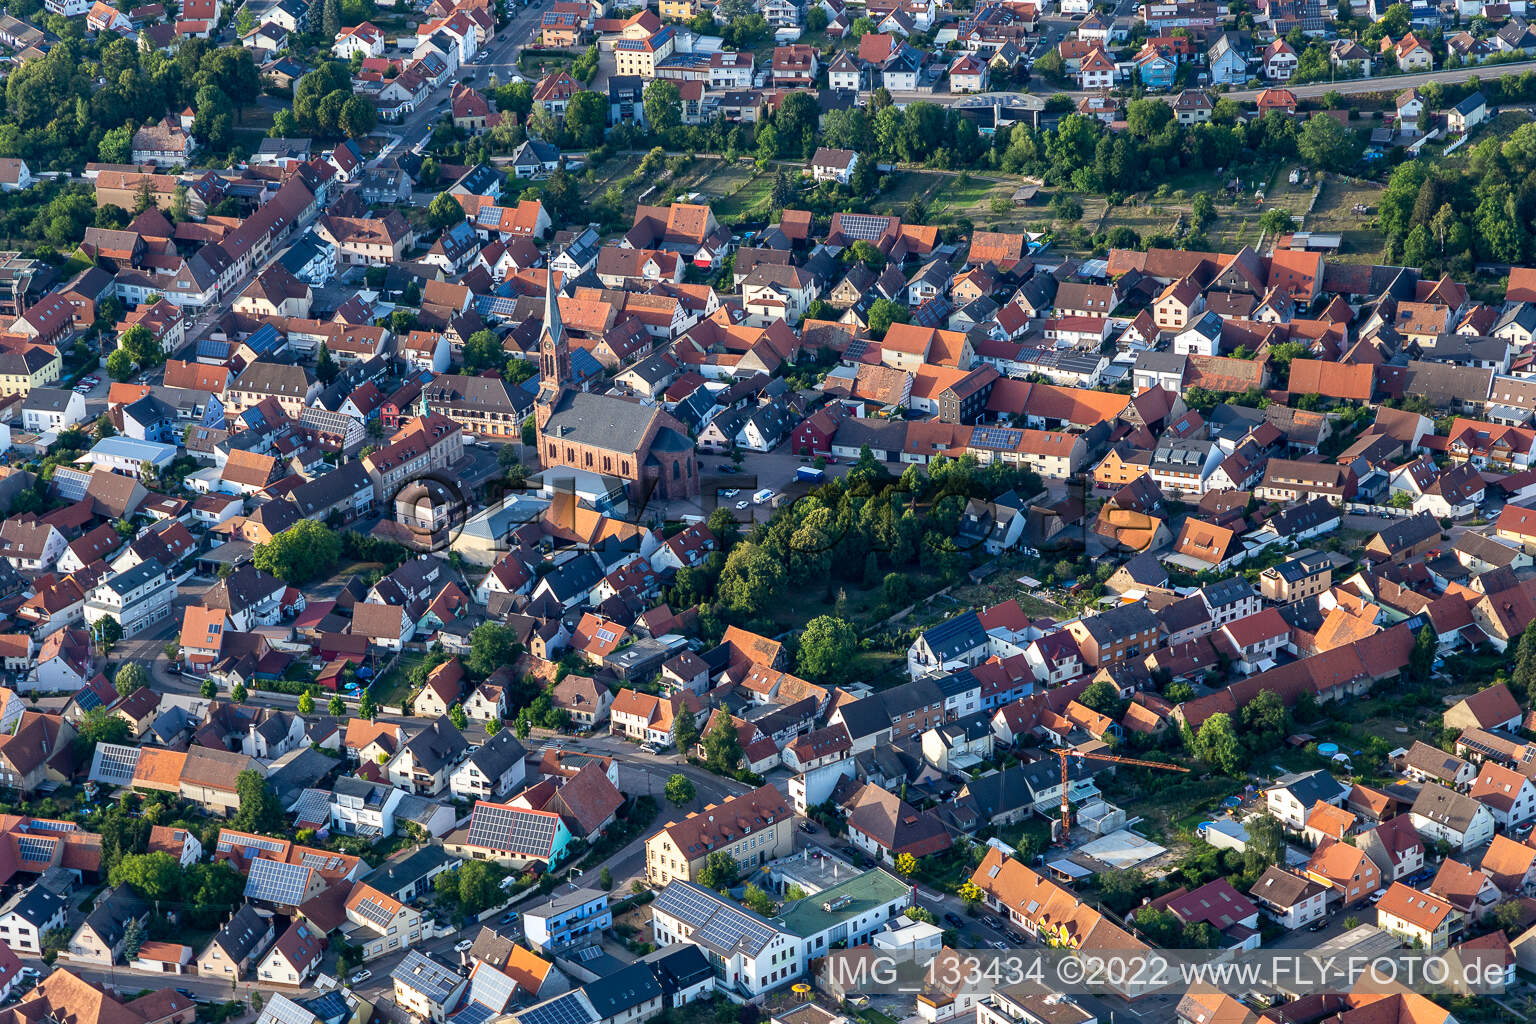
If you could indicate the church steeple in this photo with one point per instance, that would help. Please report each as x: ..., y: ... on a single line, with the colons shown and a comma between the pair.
x: 554, y: 351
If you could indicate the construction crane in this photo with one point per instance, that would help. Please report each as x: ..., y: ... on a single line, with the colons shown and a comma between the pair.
x: 1068, y: 752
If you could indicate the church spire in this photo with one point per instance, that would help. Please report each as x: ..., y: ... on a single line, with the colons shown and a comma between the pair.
x: 552, y: 322
x: 554, y: 353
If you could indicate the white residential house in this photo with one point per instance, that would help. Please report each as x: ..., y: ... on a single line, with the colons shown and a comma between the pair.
x: 50, y: 410
x: 137, y: 598
x: 1293, y: 796
x: 1510, y: 796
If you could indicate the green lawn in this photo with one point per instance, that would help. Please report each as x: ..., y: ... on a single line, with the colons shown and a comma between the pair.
x: 394, y: 686
x: 749, y: 198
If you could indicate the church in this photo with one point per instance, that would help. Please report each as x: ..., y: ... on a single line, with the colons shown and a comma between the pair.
x: 640, y: 444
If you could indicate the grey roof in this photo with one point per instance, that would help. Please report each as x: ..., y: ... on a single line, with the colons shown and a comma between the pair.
x: 560, y: 902
x: 955, y: 636
x: 678, y: 966
x: 35, y: 905
x: 437, y: 746
x: 130, y: 579
x: 623, y: 990
x: 611, y: 424
x: 1446, y: 807
x: 497, y: 754
x: 48, y: 400
x: 242, y: 936
x: 1310, y: 787
x: 1476, y: 100
x: 1306, y: 516
x: 1120, y: 621
x: 1228, y: 591
x: 110, y: 918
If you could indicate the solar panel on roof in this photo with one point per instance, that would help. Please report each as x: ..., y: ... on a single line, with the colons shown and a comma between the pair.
x: 716, y: 923
x: 489, y: 215
x: 995, y: 437
x: 282, y: 1010
x: 426, y: 976
x: 567, y: 1009
x: 511, y: 828
x: 491, y: 988
x: 34, y: 849
x: 113, y: 763
x: 228, y: 843
x: 374, y: 912
x: 313, y: 805
x: 472, y: 1013
x: 863, y: 226
x: 50, y: 825
x: 275, y: 882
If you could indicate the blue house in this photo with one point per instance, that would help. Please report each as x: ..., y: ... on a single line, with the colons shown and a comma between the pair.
x: 566, y: 919
x: 1227, y: 63
x: 1156, y: 70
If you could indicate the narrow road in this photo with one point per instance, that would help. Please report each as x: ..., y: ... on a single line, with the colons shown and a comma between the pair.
x: 1395, y: 83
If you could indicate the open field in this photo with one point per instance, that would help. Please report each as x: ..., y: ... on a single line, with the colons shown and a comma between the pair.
x: 1362, y: 243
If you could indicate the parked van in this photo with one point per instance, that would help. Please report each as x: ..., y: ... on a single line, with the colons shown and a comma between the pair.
x: 764, y: 495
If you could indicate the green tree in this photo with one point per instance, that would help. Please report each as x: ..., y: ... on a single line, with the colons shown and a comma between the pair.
x: 133, y: 940
x: 306, y: 703
x: 116, y: 145
x: 330, y: 19
x: 482, y: 351
x: 1421, y: 661
x: 130, y: 678
x: 758, y: 901
x: 97, y: 726
x: 663, y: 105
x: 258, y: 806
x: 751, y: 580
x: 884, y: 312
x: 1324, y: 142
x: 720, y: 871
x: 679, y: 790
x: 605, y: 878
x: 586, y: 118
x: 325, y: 367
x: 491, y: 644
x: 457, y: 716
x: 1216, y: 743
x: 1102, y: 696
x: 237, y: 693
x: 366, y: 708
x: 119, y: 365
x: 444, y: 211
x: 1266, y: 843
x: 154, y: 876
x: 336, y: 707
x: 722, y: 746
x: 686, y: 728
x: 305, y: 551
x: 209, y: 689
x: 827, y: 646
x: 479, y: 886
x: 1277, y: 220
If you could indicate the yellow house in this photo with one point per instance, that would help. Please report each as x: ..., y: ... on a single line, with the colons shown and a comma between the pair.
x: 682, y: 10
x: 640, y: 56
x: 34, y: 367
x: 753, y: 828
